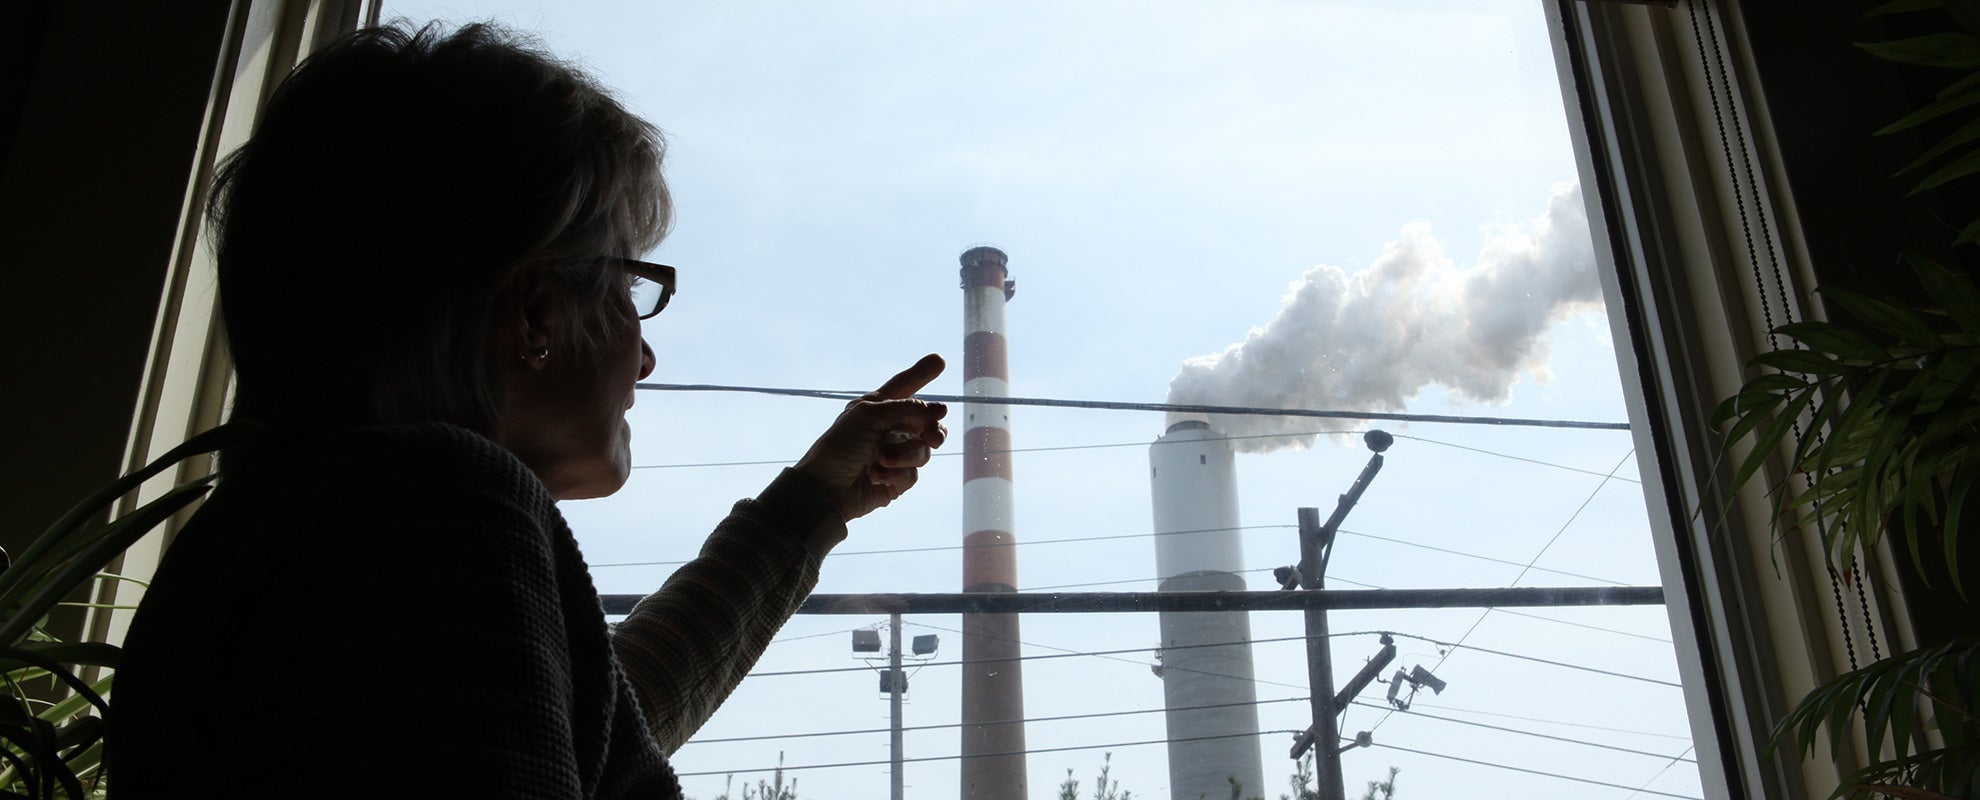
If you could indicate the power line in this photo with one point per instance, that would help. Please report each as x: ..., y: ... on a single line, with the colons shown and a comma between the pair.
x: 1528, y: 771
x: 1339, y: 579
x: 791, y: 768
x: 1667, y: 768
x: 1112, y: 445
x: 1054, y: 449
x: 1544, y: 721
x: 1171, y: 408
x: 1480, y: 557
x: 1112, y: 657
x: 1066, y: 653
x: 1512, y: 457
x: 1585, y: 625
x: 1528, y: 567
x: 817, y: 635
x: 1136, y: 712
x: 1027, y: 720
x: 1536, y: 659
x: 947, y: 547
x: 1146, y: 742
x: 1153, y: 534
x: 1414, y: 713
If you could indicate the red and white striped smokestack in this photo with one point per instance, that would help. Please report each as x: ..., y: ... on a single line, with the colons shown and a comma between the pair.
x: 993, y: 686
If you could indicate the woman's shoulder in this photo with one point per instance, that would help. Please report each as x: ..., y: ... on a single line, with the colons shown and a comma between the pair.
x: 406, y: 490
x: 420, y: 464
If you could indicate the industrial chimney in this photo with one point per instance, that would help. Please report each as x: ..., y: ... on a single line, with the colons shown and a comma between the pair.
x: 1206, y: 656
x: 993, y: 765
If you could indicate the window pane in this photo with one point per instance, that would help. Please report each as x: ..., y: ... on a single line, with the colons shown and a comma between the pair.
x: 1346, y: 206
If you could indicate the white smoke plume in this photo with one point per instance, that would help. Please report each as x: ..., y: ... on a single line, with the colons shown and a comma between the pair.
x: 1371, y: 341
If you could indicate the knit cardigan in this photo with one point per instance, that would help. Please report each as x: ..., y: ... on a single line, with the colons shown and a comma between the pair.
x: 402, y: 612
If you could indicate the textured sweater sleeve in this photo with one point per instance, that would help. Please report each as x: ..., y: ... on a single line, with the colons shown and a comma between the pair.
x: 687, y: 646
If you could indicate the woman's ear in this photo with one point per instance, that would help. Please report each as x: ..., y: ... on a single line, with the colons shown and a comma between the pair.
x: 527, y: 320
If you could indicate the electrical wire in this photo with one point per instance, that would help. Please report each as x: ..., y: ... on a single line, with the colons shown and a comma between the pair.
x: 1136, y: 712
x: 817, y: 635
x: 1454, y: 646
x: 1527, y: 568
x: 947, y: 547
x: 1025, y: 721
x: 1067, y: 653
x: 1338, y: 579
x: 1414, y: 713
x: 1527, y: 771
x: 1667, y: 768
x: 1617, y: 632
x: 1154, y: 534
x: 1114, y: 657
x: 1511, y: 457
x: 1034, y: 751
x: 1480, y: 557
x: 1169, y: 408
x: 1147, y: 742
x: 1544, y: 721
x: 1053, y: 449
x: 1110, y: 445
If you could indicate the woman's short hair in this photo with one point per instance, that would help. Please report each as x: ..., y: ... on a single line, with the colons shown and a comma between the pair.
x: 396, y: 182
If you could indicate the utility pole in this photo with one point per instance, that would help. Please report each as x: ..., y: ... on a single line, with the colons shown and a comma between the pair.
x: 893, y: 682
x: 1316, y: 546
x: 1325, y: 733
x: 897, y: 686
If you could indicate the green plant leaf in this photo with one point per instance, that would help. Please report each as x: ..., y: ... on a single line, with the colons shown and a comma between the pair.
x: 1806, y: 362
x: 1753, y: 419
x: 1956, y: 101
x: 1773, y: 382
x: 218, y: 438
x: 1889, y: 318
x: 1902, y: 6
x: 1950, y: 50
x: 95, y: 654
x: 1962, y: 484
x: 1959, y: 168
x: 1965, y: 12
x: 1968, y: 234
x: 1768, y: 443
x: 1952, y: 290
x: 74, y: 683
x: 76, y: 703
x: 18, y: 614
x: 1745, y: 404
x: 1965, y: 134
x: 1833, y: 339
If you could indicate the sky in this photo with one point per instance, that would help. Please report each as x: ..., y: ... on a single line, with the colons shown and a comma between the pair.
x: 1343, y: 205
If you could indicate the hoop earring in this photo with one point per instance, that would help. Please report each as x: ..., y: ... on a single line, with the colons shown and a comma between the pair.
x: 540, y: 353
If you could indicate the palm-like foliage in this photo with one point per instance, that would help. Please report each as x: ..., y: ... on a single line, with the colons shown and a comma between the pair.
x: 1889, y: 429
x: 1890, y: 438
x: 1884, y: 427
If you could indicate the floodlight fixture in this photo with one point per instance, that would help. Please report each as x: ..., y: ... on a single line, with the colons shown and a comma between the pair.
x: 866, y: 641
x: 924, y: 645
x: 1422, y: 677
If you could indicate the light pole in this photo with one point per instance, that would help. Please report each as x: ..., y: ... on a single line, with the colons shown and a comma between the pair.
x: 893, y: 681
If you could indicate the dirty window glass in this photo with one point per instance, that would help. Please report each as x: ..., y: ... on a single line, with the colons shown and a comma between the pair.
x: 1342, y: 206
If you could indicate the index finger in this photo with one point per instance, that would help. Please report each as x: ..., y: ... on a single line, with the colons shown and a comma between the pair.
x: 910, y: 380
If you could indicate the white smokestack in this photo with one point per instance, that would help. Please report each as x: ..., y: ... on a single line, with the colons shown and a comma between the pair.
x: 1371, y: 341
x: 1207, y: 672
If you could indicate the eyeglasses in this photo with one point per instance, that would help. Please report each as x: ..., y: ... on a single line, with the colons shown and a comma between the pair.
x: 652, y: 285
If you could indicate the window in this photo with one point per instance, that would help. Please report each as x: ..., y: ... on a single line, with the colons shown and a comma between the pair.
x: 1158, y: 176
